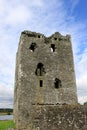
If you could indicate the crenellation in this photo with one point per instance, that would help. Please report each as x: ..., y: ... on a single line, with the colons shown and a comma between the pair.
x: 33, y: 34
x: 56, y: 37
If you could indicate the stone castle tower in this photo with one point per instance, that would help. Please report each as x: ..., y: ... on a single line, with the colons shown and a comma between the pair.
x: 44, y: 74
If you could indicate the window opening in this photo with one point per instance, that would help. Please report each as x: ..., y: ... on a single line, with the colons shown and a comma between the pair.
x: 52, y: 48
x: 57, y: 83
x: 41, y: 83
x: 38, y: 36
x: 55, y: 38
x: 40, y: 70
x: 32, y: 46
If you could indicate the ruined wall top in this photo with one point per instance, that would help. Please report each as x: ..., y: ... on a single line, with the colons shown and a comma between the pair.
x: 55, y: 36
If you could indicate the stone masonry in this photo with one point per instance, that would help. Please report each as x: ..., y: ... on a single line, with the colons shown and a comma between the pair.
x: 45, y: 76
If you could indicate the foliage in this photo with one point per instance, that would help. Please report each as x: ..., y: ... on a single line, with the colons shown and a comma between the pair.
x: 6, y: 124
x: 85, y: 103
x: 6, y: 111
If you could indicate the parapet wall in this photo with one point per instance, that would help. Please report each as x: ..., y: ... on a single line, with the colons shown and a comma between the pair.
x: 56, y: 36
x: 63, y: 117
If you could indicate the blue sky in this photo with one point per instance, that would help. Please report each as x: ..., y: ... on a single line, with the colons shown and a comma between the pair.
x: 47, y: 17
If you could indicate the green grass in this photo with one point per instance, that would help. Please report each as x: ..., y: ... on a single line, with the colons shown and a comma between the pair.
x: 6, y: 124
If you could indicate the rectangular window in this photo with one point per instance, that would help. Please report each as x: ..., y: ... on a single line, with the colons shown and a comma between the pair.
x: 52, y: 48
x: 41, y: 83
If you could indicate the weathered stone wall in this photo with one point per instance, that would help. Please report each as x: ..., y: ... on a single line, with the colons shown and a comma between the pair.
x: 63, y: 117
x: 35, y: 86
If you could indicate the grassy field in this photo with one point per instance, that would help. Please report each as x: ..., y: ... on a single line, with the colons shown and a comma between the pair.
x: 5, y: 113
x: 6, y: 124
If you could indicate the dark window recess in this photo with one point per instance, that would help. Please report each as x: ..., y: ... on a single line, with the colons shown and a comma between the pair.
x: 33, y: 46
x: 40, y: 70
x: 57, y: 83
x: 55, y: 38
x: 38, y: 36
x: 41, y: 83
x: 52, y: 47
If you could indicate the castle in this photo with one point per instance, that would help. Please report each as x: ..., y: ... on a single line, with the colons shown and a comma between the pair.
x: 45, y: 78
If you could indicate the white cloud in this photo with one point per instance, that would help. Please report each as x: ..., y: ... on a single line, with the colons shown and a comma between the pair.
x: 82, y: 63
x: 6, y: 96
x: 82, y: 75
x: 7, y: 92
x: 14, y: 14
x: 7, y: 54
x: 82, y: 99
x: 38, y: 3
x: 82, y: 82
x: 17, y: 15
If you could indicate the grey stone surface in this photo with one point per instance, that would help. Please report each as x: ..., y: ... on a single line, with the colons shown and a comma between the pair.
x: 44, y: 75
x: 61, y: 117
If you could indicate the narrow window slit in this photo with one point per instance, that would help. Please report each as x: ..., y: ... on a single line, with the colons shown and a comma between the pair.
x: 41, y: 83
